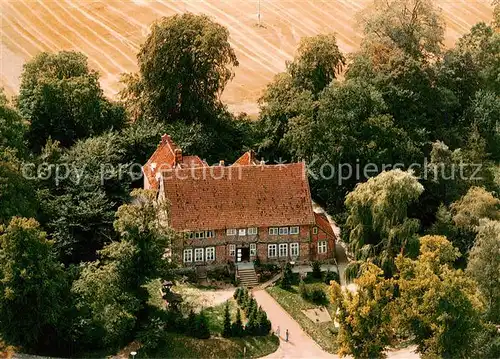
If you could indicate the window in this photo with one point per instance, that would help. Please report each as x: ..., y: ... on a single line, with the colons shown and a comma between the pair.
x: 242, y: 232
x: 294, y: 249
x: 231, y: 232
x: 210, y: 254
x: 315, y: 230
x: 273, y: 231
x: 271, y: 250
x: 294, y: 230
x: 198, y: 254
x: 283, y: 230
x: 283, y: 250
x: 188, y: 255
x: 199, y: 235
x: 191, y: 235
x: 322, y: 247
x: 232, y: 250
x: 209, y: 234
x: 252, y: 231
x: 253, y: 249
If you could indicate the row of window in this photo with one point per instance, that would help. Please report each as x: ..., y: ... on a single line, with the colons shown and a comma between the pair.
x: 273, y: 231
x: 200, y: 254
x: 201, y: 234
x: 281, y: 250
x: 242, y: 231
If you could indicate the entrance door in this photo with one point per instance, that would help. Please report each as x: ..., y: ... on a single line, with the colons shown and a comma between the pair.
x: 242, y: 254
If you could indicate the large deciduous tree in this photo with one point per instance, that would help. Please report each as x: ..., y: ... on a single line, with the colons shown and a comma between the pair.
x: 484, y: 266
x: 33, y: 288
x: 378, y: 226
x: 61, y: 98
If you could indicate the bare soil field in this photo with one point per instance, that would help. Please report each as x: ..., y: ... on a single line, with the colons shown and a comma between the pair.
x: 110, y: 32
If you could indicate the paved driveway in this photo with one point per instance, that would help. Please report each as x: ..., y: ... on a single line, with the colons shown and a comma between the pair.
x: 300, y: 345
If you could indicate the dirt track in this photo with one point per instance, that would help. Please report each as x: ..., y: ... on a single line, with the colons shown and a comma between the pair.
x: 110, y: 33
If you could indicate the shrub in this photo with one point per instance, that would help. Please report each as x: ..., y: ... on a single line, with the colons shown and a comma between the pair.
x: 152, y: 336
x: 264, y: 324
x: 329, y: 276
x: 237, y: 294
x: 304, y: 292
x: 286, y: 281
x: 219, y: 274
x: 318, y: 296
x: 237, y: 326
x: 226, y: 331
x: 187, y: 274
x: 252, y: 327
x: 316, y: 270
x: 201, y: 330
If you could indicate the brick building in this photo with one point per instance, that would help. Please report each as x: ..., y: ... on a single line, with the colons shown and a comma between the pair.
x: 238, y: 212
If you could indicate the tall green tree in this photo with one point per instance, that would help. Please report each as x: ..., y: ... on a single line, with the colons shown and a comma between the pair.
x: 378, y: 226
x: 12, y: 126
x: 34, y: 290
x: 484, y: 266
x: 61, y: 98
x: 439, y: 305
x: 184, y: 65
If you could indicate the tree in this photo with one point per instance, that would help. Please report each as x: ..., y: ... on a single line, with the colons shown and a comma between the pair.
x: 62, y: 99
x: 201, y: 327
x: 484, y: 266
x: 12, y: 127
x: 34, y: 291
x: 226, y: 331
x: 378, y: 225
x: 237, y: 326
x: 316, y: 270
x: 365, y: 315
x: 414, y: 26
x: 263, y: 323
x: 287, y: 278
x: 251, y: 327
x: 440, y: 305
x: 475, y: 205
x: 317, y: 62
x: 184, y: 65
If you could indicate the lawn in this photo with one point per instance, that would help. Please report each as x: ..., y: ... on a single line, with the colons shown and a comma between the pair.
x: 292, y: 302
x: 185, y: 347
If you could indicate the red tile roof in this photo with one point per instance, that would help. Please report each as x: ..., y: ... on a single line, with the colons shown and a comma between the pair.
x: 247, y: 159
x: 241, y: 196
x: 323, y: 223
x: 164, y: 158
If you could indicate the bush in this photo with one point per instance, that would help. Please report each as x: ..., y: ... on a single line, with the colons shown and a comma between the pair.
x: 153, y: 335
x: 226, y: 331
x: 318, y: 296
x: 237, y: 326
x: 286, y: 281
x: 237, y: 294
x: 201, y: 330
x: 332, y: 276
x: 219, y: 274
x: 304, y: 292
x: 316, y: 270
x: 252, y: 327
x: 187, y: 274
x: 264, y: 324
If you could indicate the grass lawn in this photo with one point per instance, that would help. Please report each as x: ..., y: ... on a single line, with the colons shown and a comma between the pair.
x: 180, y: 346
x: 293, y: 303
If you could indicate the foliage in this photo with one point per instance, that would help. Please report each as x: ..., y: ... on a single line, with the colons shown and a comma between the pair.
x: 201, y: 330
x: 378, y: 225
x: 287, y: 278
x: 475, y: 205
x: 484, y: 266
x: 331, y: 276
x: 226, y: 333
x: 62, y: 99
x: 12, y: 126
x: 316, y: 270
x: 34, y: 291
x: 365, y: 316
x: 184, y: 65
x: 438, y: 304
x: 237, y: 326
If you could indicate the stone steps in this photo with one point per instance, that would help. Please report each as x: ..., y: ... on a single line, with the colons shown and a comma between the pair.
x: 248, y: 278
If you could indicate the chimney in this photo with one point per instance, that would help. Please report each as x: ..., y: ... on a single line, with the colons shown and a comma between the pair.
x: 262, y: 162
x: 251, y: 153
x: 221, y: 163
x: 178, y: 156
x: 165, y: 138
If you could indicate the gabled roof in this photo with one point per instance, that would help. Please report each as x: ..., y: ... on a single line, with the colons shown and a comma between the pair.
x: 238, y: 196
x: 323, y: 223
x: 247, y: 159
x: 165, y: 157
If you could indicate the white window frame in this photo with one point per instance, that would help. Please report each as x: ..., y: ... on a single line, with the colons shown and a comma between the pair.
x: 199, y: 235
x: 272, y: 248
x: 283, y: 250
x: 322, y: 247
x: 188, y: 256
x: 294, y: 230
x: 273, y: 231
x: 253, y: 249
x: 191, y: 235
x: 252, y: 231
x: 198, y: 254
x: 294, y: 250
x: 209, y: 234
x: 242, y: 232
x: 232, y: 250
x: 231, y: 231
x: 209, y: 254
x: 283, y: 231
x: 315, y: 230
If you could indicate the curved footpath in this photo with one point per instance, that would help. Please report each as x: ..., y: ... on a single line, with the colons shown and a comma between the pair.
x: 301, y: 345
